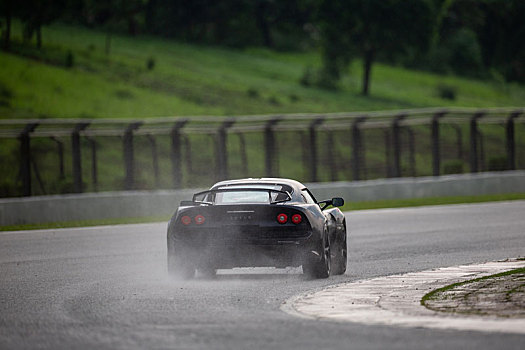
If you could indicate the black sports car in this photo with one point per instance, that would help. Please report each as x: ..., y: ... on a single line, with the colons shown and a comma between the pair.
x: 257, y: 222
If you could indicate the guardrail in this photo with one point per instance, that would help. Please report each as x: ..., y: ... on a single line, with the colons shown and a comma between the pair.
x: 348, y: 145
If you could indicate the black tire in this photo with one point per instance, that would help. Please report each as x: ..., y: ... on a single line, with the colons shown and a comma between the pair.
x: 179, y: 264
x: 340, y: 255
x: 208, y: 272
x: 320, y: 268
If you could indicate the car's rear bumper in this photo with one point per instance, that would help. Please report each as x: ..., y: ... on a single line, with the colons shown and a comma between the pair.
x: 227, y: 251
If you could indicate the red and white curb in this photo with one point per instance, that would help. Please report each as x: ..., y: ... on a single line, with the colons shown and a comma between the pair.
x: 396, y: 301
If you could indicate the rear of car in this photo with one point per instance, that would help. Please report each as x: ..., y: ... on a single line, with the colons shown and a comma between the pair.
x: 243, y: 235
x: 243, y: 225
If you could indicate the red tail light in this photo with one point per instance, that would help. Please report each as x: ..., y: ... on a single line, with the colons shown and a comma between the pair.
x: 186, y: 220
x: 297, y: 218
x: 282, y: 218
x: 199, y: 219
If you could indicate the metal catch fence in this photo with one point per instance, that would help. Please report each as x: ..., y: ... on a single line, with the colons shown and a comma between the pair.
x: 48, y: 156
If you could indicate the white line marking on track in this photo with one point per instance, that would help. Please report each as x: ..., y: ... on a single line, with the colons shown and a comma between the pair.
x: 396, y: 301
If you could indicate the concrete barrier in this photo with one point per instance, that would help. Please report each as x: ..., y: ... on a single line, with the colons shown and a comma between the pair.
x: 89, y: 206
x: 420, y: 187
x: 14, y: 211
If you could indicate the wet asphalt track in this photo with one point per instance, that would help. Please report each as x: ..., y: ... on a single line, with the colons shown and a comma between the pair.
x: 107, y: 287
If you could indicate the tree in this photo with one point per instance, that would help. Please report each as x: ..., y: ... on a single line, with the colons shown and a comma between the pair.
x: 37, y: 13
x: 283, y: 18
x: 114, y: 16
x: 477, y: 35
x: 6, y: 9
x: 501, y: 36
x: 370, y: 28
x: 271, y: 23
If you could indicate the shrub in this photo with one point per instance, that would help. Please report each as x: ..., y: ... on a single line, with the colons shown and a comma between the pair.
x: 5, y: 92
x: 124, y: 94
x: 325, y: 79
x: 70, y: 59
x: 63, y: 186
x: 274, y: 101
x: 446, y: 92
x: 307, y: 78
x: 436, y: 60
x: 465, y: 57
x: 8, y: 189
x: 453, y: 167
x: 5, y: 95
x: 498, y: 163
x: 150, y: 63
x: 252, y: 93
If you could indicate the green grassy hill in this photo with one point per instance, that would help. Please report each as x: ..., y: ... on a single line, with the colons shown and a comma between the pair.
x: 72, y: 76
x: 196, y: 80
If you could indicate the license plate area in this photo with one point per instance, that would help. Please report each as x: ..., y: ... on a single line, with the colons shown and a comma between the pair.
x: 240, y: 217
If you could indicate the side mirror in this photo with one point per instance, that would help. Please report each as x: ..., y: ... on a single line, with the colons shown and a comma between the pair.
x: 335, y: 202
x: 338, y: 202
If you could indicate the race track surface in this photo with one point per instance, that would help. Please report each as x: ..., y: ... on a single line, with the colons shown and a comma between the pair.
x: 107, y: 287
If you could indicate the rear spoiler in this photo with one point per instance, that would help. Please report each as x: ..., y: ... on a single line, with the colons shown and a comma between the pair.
x: 199, y: 198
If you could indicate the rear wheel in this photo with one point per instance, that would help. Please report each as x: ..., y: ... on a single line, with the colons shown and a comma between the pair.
x: 208, y: 272
x: 320, y: 268
x: 340, y: 255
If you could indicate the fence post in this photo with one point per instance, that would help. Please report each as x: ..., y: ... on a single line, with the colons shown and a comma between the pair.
x: 397, y: 144
x: 129, y: 159
x: 511, y: 144
x: 77, y: 159
x: 222, y: 149
x: 388, y: 153
x: 356, y: 147
x: 313, y: 147
x: 269, y: 147
x: 60, y: 147
x: 474, y: 142
x: 94, y: 168
x: 25, y: 158
x: 436, y: 157
x: 176, y: 154
x: 155, y: 159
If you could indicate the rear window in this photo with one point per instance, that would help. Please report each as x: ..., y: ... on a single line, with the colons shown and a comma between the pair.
x: 243, y: 197
x: 251, y: 197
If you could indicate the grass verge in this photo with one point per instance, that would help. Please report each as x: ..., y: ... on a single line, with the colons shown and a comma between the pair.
x: 416, y: 202
x: 398, y: 203
x: 435, y: 293
x: 85, y: 223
